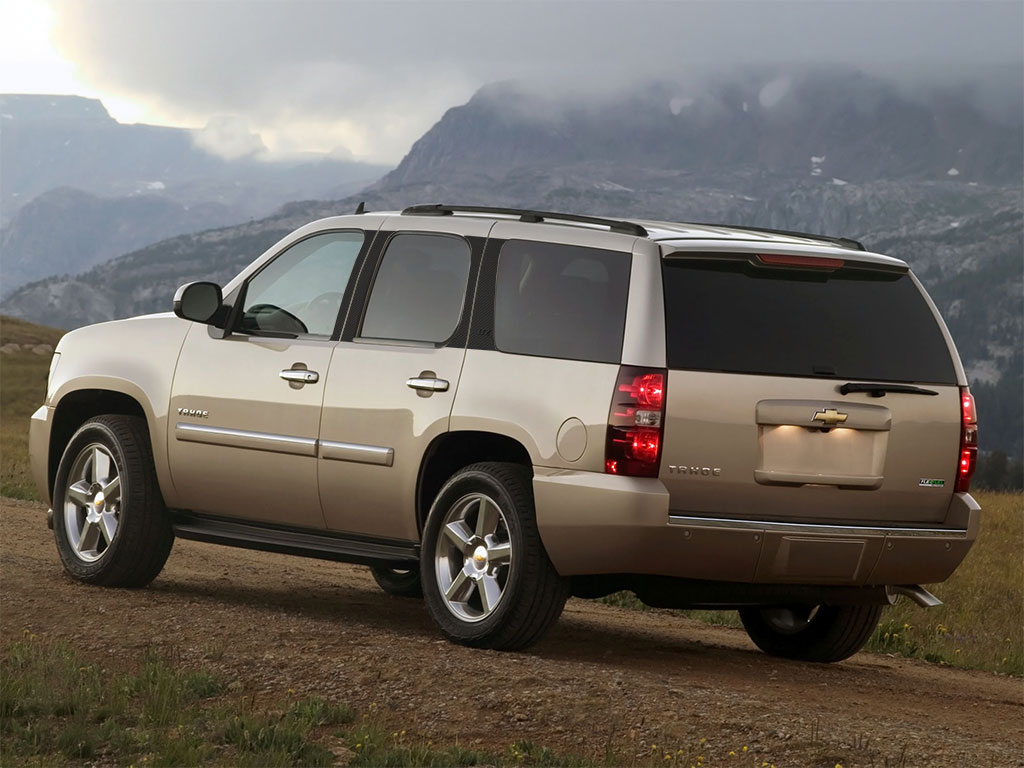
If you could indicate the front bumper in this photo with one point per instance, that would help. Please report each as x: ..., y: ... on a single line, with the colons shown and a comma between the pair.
x: 592, y: 524
x: 40, y: 424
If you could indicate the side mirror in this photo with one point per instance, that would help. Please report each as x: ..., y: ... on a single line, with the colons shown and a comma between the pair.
x: 198, y: 302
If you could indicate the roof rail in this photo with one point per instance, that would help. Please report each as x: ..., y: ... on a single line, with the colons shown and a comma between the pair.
x: 615, y: 225
x: 844, y: 242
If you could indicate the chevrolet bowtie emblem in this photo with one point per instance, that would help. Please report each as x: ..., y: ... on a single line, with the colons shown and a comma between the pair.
x: 830, y: 416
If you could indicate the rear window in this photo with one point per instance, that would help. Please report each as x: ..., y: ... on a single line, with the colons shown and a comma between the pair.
x: 561, y: 301
x: 852, y: 323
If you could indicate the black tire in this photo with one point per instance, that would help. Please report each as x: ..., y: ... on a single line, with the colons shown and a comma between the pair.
x: 823, y: 633
x: 532, y: 594
x: 397, y: 582
x: 142, y: 539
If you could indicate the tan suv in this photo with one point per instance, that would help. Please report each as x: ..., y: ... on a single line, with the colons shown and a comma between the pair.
x: 497, y: 408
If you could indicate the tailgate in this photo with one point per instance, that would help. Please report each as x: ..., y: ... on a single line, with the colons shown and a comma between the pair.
x: 756, y: 425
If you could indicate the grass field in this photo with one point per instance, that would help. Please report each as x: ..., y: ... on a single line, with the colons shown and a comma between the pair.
x: 22, y: 388
x: 57, y: 708
x: 981, y: 625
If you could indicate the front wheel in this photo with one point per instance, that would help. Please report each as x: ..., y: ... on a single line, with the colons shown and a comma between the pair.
x: 823, y: 633
x: 109, y: 518
x: 486, y: 576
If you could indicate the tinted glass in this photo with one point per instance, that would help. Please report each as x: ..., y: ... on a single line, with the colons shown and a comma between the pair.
x: 301, y: 290
x: 561, y: 301
x: 419, y: 289
x: 730, y: 315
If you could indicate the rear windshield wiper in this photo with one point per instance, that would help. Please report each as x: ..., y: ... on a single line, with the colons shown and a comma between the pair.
x: 879, y: 390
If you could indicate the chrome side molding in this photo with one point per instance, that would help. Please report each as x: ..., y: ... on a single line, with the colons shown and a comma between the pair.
x: 355, y: 452
x: 291, y: 444
x: 240, y: 438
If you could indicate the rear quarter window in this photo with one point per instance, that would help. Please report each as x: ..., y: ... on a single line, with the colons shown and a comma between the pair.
x: 728, y: 314
x: 562, y: 301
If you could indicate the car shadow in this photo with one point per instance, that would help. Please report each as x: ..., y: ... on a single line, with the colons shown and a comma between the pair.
x: 575, y: 638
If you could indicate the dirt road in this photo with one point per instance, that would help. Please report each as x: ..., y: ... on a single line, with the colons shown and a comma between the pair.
x: 604, y: 679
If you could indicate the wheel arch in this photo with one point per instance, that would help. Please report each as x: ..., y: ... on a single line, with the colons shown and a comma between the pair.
x: 76, y: 406
x: 449, y: 452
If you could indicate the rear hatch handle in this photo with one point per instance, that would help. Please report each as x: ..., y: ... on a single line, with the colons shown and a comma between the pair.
x: 879, y: 390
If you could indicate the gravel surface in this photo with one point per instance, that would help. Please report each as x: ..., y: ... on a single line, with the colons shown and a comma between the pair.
x: 605, y: 681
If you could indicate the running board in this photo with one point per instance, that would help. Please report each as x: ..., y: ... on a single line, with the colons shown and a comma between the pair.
x: 303, y: 543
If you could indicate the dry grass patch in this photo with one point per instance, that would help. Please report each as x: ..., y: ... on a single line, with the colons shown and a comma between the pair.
x: 981, y: 624
x: 22, y: 389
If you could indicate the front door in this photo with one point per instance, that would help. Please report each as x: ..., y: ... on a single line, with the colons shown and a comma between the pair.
x: 245, y: 408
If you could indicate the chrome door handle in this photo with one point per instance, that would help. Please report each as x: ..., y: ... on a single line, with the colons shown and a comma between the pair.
x: 300, y: 376
x: 427, y: 385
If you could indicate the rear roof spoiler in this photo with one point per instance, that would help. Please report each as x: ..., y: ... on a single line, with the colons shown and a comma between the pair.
x: 842, y: 242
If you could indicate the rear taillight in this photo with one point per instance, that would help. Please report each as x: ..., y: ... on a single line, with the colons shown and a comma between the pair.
x: 636, y: 422
x: 968, y: 440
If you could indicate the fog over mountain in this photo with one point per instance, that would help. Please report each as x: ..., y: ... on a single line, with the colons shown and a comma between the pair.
x: 373, y: 77
x: 828, y: 124
x: 78, y: 187
x: 930, y: 177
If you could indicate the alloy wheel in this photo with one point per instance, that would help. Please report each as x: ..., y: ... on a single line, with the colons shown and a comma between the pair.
x: 92, y: 502
x: 473, y: 557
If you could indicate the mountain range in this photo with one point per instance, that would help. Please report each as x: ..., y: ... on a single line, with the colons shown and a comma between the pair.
x: 78, y: 187
x: 930, y: 177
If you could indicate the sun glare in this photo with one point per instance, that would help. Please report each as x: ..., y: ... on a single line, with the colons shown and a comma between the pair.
x: 29, y: 63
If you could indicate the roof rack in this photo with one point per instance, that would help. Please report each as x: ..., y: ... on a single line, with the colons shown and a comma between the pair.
x: 615, y: 225
x: 844, y: 242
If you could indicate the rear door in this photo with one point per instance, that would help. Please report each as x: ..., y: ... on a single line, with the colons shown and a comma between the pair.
x: 757, y: 424
x: 393, y: 377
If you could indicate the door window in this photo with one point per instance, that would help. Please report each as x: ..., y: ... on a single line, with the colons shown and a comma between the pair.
x: 300, y: 292
x: 419, y: 290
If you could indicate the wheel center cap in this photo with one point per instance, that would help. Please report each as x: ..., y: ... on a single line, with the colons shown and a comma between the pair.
x: 480, y: 558
x: 96, y: 508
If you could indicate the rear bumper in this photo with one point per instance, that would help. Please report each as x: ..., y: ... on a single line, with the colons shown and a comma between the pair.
x: 39, y: 427
x: 603, y: 524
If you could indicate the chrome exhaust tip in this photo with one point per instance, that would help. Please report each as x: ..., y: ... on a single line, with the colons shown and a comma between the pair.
x: 915, y: 592
x: 49, y: 519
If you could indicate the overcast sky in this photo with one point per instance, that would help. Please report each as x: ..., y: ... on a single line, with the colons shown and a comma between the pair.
x: 368, y: 78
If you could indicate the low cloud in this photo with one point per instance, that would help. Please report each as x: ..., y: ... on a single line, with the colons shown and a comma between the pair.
x: 230, y: 137
x: 369, y: 78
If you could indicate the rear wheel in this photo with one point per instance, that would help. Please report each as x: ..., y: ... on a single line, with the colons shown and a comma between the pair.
x: 823, y: 633
x: 486, y: 577
x: 110, y: 522
x: 397, y: 581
